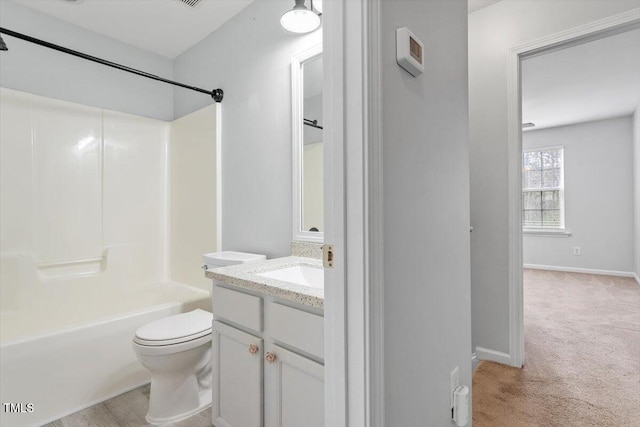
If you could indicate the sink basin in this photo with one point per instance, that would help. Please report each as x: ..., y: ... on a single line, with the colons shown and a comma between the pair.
x: 298, y: 274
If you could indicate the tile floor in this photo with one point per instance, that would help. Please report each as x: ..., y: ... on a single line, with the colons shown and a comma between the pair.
x: 126, y: 410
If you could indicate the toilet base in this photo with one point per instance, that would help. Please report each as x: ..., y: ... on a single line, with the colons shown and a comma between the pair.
x: 161, y: 421
x: 174, y: 396
x: 204, y: 397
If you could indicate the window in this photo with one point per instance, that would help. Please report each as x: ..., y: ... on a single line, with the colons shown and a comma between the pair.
x: 543, y: 188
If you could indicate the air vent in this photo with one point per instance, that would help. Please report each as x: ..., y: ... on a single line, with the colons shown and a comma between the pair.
x: 191, y: 3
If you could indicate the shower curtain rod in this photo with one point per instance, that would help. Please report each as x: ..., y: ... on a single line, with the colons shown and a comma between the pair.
x: 216, y: 94
x: 312, y: 123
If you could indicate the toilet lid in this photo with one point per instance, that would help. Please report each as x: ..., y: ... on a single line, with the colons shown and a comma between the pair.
x: 180, y: 327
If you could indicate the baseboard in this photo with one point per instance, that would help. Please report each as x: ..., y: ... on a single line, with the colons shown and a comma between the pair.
x: 582, y: 270
x: 474, y: 362
x: 635, y: 276
x: 492, y: 355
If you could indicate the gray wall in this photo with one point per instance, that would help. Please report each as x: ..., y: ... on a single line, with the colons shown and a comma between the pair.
x: 493, y: 31
x: 41, y: 71
x: 426, y: 213
x: 598, y: 179
x: 636, y: 191
x: 249, y: 57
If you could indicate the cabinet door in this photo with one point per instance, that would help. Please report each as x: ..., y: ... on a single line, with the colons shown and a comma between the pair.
x: 237, y: 378
x: 296, y: 390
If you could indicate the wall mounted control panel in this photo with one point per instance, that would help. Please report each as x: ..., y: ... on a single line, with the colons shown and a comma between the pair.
x: 409, y: 52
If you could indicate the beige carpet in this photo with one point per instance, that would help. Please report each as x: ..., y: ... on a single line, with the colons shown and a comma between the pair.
x: 582, y: 357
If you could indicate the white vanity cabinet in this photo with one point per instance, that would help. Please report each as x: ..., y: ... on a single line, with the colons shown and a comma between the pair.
x: 237, y: 377
x: 268, y: 361
x: 296, y: 390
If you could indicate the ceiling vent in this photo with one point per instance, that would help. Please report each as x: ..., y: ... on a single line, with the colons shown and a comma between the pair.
x: 191, y: 3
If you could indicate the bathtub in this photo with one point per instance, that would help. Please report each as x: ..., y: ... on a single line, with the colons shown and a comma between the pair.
x: 78, y: 360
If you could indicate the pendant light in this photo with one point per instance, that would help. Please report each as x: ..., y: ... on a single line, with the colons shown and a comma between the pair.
x: 300, y: 19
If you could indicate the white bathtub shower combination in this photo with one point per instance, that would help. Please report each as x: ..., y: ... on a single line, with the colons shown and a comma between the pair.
x: 83, y: 252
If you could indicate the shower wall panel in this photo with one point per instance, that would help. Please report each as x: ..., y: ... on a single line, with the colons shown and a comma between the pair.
x: 67, y: 144
x: 16, y: 174
x: 135, y: 168
x: 16, y: 205
x: 192, y: 195
x: 83, y: 212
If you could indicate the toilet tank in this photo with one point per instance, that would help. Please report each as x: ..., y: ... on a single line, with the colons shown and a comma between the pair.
x: 224, y: 258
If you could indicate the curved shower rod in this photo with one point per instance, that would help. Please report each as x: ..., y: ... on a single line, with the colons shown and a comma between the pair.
x: 216, y: 94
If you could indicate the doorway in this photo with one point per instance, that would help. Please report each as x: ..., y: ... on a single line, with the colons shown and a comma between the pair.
x: 502, y: 393
x: 577, y: 36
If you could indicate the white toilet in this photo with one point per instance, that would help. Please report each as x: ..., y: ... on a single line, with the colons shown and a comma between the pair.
x: 177, y: 351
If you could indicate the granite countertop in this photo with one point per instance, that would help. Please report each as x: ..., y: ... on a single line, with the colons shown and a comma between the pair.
x: 245, y: 276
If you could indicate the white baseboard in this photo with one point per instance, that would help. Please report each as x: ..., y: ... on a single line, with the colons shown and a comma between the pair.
x: 582, y: 270
x: 474, y: 362
x: 635, y: 276
x: 492, y: 355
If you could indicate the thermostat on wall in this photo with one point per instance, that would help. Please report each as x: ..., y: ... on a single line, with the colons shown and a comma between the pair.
x: 409, y: 52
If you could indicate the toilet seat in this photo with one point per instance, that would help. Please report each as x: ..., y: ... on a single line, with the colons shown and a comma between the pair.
x: 160, y: 343
x: 161, y: 350
x: 177, y: 329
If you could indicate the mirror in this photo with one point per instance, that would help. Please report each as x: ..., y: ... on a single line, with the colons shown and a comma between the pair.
x: 308, y: 146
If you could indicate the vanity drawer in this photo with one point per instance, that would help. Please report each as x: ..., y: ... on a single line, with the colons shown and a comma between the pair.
x: 237, y: 307
x: 297, y: 328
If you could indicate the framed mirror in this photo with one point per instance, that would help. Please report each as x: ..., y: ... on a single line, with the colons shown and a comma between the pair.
x: 308, y: 146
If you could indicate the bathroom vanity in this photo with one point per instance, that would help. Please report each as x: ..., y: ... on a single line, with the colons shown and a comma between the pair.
x: 268, y: 343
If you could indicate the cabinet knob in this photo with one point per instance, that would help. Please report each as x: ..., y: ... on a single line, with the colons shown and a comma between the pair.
x: 270, y: 357
x: 253, y: 349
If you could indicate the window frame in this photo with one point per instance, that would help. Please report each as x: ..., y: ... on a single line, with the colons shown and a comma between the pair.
x: 541, y: 231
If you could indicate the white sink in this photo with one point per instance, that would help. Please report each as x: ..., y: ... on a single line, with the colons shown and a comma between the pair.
x: 298, y: 274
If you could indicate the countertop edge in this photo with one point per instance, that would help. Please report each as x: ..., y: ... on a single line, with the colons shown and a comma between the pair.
x: 243, y: 276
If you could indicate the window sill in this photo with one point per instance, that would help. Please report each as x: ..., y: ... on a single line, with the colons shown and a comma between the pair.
x: 546, y: 233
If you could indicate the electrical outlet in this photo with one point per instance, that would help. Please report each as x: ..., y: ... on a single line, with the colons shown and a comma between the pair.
x: 454, y: 381
x: 576, y: 250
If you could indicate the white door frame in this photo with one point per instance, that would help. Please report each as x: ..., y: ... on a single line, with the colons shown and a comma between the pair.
x: 598, y: 29
x: 352, y: 175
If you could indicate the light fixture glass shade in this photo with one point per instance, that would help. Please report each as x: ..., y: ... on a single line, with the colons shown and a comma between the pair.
x: 300, y: 19
x: 317, y: 5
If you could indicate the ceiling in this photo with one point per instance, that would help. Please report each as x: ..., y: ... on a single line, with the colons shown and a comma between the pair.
x: 591, y: 81
x: 474, y: 5
x: 165, y: 27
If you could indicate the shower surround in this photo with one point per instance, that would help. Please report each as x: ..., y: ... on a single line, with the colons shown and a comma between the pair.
x: 84, y: 216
